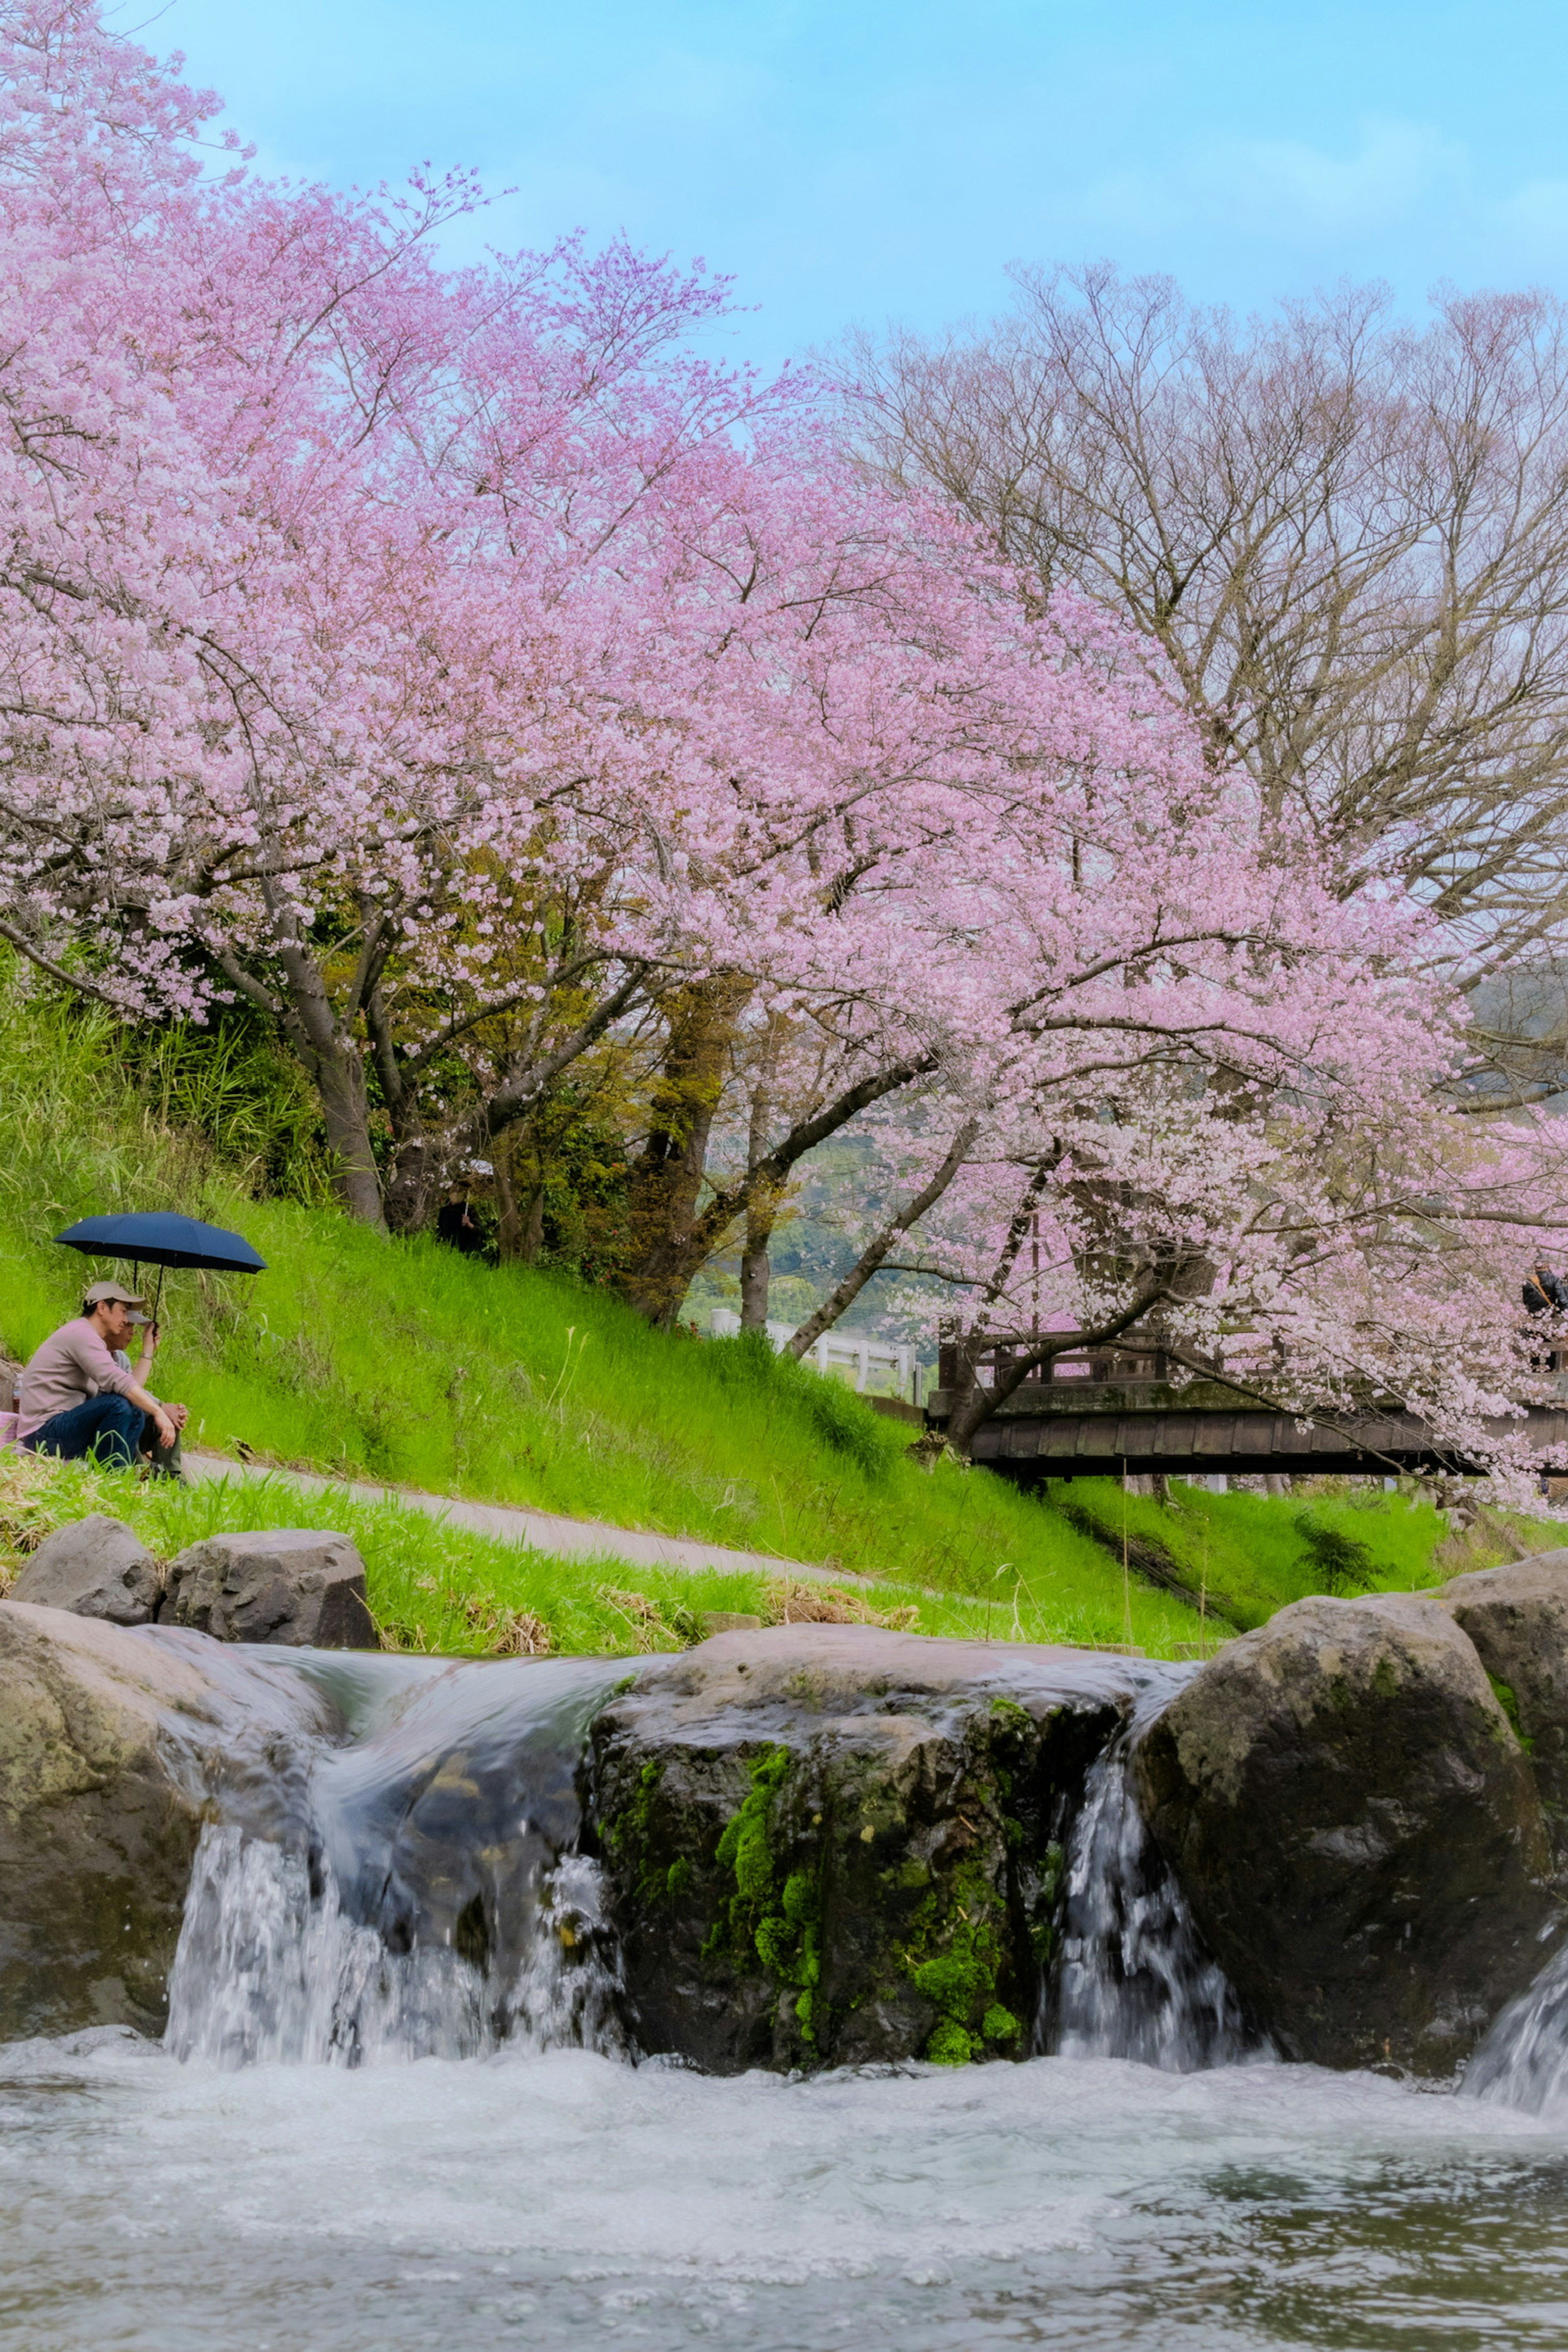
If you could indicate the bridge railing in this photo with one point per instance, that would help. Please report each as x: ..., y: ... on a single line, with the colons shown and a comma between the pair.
x: 1135, y: 1357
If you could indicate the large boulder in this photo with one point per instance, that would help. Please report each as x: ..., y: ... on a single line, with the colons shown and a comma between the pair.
x: 829, y: 1845
x: 1347, y: 1806
x: 1517, y: 1617
x: 298, y: 1586
x: 109, y: 1739
x: 96, y: 1567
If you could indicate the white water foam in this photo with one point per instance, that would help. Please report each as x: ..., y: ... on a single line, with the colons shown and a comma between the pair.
x: 1134, y: 1980
x: 1095, y: 2206
x: 272, y: 1970
x: 1524, y: 2061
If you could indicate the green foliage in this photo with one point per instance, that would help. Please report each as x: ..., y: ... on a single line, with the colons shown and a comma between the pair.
x: 950, y: 2044
x: 1340, y: 1562
x: 1503, y: 1693
x: 233, y: 1085
x: 576, y: 1158
x: 780, y: 1928
x: 961, y: 1917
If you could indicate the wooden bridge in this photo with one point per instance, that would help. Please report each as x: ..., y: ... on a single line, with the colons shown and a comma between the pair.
x: 1097, y: 1412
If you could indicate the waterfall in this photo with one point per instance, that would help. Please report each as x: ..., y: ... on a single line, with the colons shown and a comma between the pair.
x: 424, y: 1899
x: 394, y: 1873
x: 1134, y: 1980
x: 1523, y: 2061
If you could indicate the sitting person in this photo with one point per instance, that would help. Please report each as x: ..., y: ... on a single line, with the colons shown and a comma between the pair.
x: 80, y: 1396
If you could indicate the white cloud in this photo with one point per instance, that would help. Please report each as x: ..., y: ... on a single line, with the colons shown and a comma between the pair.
x: 1268, y: 190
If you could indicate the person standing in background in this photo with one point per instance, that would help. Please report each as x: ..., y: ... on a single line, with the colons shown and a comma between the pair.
x: 455, y: 1223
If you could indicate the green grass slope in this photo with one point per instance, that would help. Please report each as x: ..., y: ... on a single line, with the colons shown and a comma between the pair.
x: 402, y: 1361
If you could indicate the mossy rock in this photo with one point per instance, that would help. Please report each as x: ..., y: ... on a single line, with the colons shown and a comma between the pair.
x: 1517, y: 1617
x: 1347, y: 1806
x: 831, y: 1845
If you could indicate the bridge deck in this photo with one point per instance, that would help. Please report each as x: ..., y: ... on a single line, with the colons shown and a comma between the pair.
x: 1119, y: 1411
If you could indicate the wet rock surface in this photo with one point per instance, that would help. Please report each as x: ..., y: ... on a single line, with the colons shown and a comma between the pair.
x: 296, y: 1586
x: 1517, y: 1617
x: 829, y: 1845
x: 1356, y: 1827
x: 103, y: 1732
x: 96, y: 1567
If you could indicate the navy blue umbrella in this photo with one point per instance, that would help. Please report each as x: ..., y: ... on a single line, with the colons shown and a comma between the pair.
x: 163, y: 1239
x: 160, y: 1238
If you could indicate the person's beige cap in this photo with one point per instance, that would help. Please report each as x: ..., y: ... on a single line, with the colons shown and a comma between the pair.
x: 102, y: 1291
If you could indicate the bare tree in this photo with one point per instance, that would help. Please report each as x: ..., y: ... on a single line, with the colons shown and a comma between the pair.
x: 1347, y: 538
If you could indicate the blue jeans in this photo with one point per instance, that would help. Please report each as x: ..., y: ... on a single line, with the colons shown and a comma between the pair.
x: 108, y: 1427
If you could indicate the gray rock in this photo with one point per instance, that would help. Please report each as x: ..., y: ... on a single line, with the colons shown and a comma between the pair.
x: 1517, y: 1617
x: 112, y: 1739
x: 300, y: 1586
x: 832, y: 1844
x: 96, y: 1567
x: 1350, y: 1813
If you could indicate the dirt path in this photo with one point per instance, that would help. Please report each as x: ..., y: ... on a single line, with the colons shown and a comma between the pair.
x: 538, y: 1530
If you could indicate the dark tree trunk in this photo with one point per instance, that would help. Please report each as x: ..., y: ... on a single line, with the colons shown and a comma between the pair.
x: 533, y: 1226
x: 413, y: 1180
x: 761, y: 1208
x: 508, y: 1223
x: 665, y: 1248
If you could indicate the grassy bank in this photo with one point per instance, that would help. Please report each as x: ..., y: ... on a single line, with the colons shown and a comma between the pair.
x: 400, y: 1361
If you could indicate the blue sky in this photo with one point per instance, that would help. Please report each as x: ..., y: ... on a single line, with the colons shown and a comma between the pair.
x: 863, y: 161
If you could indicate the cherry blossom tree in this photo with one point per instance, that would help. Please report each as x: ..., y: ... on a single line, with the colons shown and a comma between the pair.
x: 459, y: 670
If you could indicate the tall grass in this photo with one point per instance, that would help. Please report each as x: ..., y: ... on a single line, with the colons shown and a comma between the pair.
x: 405, y: 1362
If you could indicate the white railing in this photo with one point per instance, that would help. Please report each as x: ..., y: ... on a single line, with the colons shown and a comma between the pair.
x: 839, y: 1351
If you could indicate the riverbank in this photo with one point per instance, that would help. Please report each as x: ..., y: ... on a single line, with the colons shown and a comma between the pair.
x: 400, y: 1365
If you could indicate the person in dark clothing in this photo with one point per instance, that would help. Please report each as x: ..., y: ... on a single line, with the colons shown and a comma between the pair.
x: 1544, y: 1290
x: 1544, y: 1294
x: 455, y: 1223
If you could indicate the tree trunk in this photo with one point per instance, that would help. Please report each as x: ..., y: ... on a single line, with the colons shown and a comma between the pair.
x: 508, y: 1223
x: 334, y: 1061
x: 533, y: 1225
x: 667, y: 1176
x: 411, y: 1179
x: 340, y: 1086
x: 761, y: 1208
x: 756, y: 1267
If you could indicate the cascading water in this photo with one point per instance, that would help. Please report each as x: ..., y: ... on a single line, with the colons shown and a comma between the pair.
x: 1524, y: 2061
x: 407, y: 1883
x: 422, y: 1897
x: 393, y: 1871
x: 1134, y: 1980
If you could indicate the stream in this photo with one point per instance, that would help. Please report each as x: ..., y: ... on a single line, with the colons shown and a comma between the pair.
x: 397, y: 2107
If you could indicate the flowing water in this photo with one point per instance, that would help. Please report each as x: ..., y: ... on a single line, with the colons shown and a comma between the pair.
x: 422, y: 1898
x: 1134, y: 1980
x: 395, y: 2110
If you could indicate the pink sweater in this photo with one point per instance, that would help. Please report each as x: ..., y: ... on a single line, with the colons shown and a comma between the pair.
x: 72, y: 1365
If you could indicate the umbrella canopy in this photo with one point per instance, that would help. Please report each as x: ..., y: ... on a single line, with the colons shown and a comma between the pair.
x: 162, y: 1238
